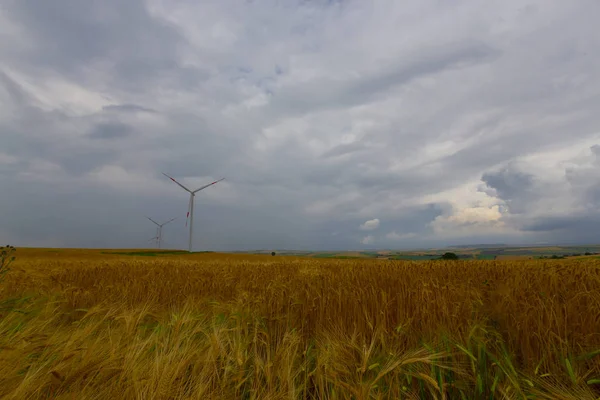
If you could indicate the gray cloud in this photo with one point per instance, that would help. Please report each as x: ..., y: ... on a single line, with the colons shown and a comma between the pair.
x: 111, y: 130
x: 335, y: 93
x: 561, y: 207
x: 14, y: 91
x: 68, y: 37
x: 554, y: 223
x: 127, y: 108
x: 570, y: 229
x: 321, y: 115
x: 344, y: 149
x: 516, y: 188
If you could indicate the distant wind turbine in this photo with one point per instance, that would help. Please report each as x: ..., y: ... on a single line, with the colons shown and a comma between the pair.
x: 155, y: 240
x: 190, y: 213
x: 159, y: 229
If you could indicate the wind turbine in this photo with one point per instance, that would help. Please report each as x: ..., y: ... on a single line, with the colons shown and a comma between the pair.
x: 159, y: 229
x: 155, y: 240
x: 190, y: 213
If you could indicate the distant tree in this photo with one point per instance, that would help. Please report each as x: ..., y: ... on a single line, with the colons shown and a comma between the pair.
x: 449, y: 256
x: 273, y: 253
x: 587, y: 253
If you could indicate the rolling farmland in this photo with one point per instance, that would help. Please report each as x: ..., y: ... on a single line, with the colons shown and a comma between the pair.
x: 163, y: 325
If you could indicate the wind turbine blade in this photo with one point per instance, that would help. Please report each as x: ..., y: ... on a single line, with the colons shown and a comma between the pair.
x: 153, y: 221
x: 205, y: 186
x: 173, y: 179
x: 171, y: 220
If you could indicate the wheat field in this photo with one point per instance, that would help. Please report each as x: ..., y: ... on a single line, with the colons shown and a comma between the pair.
x: 84, y: 324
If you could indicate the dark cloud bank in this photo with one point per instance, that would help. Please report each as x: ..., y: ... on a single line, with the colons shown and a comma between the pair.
x: 449, y: 124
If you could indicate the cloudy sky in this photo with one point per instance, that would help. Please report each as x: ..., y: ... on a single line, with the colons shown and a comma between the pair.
x: 337, y: 124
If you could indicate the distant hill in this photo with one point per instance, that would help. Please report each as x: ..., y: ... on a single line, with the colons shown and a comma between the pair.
x: 478, y: 246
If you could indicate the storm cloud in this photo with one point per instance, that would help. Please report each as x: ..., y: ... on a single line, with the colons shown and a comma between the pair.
x: 444, y: 122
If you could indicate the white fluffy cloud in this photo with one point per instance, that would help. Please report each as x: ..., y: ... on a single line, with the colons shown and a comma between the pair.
x: 369, y: 239
x: 400, y: 236
x: 469, y: 221
x: 370, y: 225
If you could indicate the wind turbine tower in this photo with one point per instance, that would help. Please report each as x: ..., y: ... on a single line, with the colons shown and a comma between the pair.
x: 159, y: 229
x: 190, y: 213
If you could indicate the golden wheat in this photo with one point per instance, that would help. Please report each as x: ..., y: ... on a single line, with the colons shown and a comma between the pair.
x: 87, y: 325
